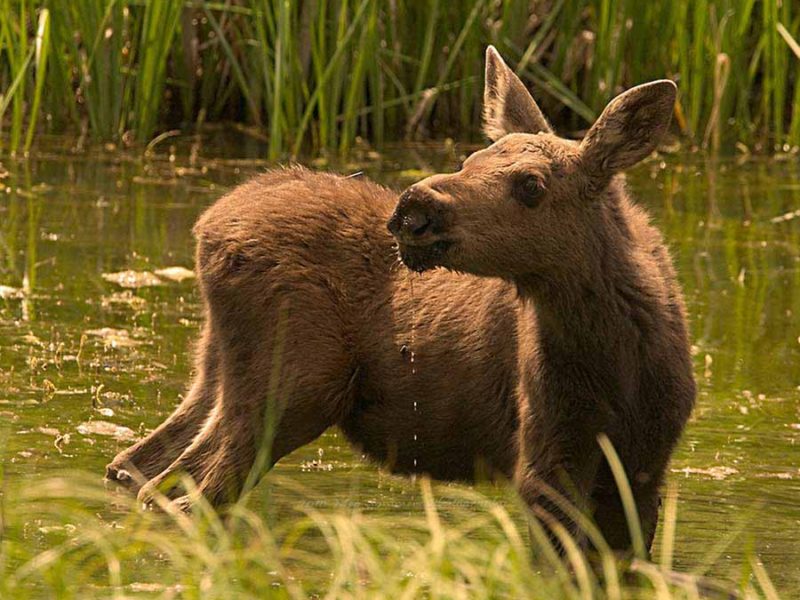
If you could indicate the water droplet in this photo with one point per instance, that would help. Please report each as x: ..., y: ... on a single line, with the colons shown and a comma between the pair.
x: 413, y: 341
x: 411, y: 346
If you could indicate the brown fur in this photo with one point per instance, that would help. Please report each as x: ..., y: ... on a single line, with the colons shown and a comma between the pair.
x: 569, y: 324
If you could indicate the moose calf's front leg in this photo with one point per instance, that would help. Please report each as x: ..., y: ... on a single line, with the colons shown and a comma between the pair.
x: 549, y: 488
x: 611, y: 519
x: 557, y: 468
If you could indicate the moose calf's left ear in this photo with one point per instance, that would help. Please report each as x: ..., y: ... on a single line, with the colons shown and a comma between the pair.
x: 629, y: 128
x: 508, y: 107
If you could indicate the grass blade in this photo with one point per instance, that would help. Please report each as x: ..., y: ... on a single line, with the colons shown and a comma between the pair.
x: 625, y: 493
x: 42, y: 50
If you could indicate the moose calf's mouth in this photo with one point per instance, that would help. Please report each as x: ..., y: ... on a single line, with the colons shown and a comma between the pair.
x: 423, y: 257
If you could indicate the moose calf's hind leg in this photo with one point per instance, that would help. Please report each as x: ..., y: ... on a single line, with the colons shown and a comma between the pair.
x: 218, y: 461
x: 283, y: 363
x: 273, y: 396
x: 151, y: 455
x: 245, y: 425
x: 223, y: 451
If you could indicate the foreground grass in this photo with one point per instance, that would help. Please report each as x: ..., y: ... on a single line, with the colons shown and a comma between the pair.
x: 319, y: 74
x: 71, y: 537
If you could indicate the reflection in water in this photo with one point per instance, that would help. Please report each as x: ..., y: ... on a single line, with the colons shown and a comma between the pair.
x: 65, y: 221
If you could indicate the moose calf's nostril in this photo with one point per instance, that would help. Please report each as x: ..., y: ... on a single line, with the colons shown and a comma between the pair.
x: 415, y: 223
x: 414, y: 216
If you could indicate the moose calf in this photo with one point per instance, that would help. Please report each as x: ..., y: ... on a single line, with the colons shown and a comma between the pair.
x: 556, y: 317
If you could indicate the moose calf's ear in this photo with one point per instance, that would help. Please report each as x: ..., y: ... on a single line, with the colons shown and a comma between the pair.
x: 507, y: 105
x: 629, y: 128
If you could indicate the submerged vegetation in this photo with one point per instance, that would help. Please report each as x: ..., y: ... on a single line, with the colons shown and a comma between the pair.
x: 320, y: 74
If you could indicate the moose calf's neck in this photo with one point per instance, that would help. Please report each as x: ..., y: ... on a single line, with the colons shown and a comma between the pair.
x: 591, y: 327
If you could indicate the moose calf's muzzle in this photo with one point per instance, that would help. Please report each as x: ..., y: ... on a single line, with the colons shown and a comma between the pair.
x: 415, y: 218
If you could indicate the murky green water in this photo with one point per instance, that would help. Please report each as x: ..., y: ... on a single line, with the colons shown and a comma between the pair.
x: 76, y: 349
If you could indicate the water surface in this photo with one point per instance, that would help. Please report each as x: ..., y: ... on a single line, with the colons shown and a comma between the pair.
x: 77, y: 349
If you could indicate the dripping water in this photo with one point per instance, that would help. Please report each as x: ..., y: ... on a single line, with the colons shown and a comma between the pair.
x: 412, y: 355
x: 412, y: 342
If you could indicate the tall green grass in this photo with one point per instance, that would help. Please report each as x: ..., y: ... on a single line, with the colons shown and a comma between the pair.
x: 27, y: 67
x: 319, y: 75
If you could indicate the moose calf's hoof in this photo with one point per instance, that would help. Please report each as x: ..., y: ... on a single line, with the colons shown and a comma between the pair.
x: 120, y: 475
x: 149, y: 494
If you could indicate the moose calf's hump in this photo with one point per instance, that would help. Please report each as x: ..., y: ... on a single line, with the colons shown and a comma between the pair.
x: 293, y: 217
x: 289, y: 201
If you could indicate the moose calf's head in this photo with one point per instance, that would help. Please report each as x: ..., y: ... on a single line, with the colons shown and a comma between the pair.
x: 529, y: 203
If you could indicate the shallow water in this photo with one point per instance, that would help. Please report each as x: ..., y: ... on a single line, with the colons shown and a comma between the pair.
x: 83, y: 358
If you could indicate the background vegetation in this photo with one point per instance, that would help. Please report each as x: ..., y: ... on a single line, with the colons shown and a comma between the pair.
x: 315, y: 74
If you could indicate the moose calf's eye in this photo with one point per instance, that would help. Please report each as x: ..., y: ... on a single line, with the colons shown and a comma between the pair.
x: 527, y: 189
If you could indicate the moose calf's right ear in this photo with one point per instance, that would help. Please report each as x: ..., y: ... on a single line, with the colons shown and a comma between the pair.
x: 508, y: 107
x: 629, y: 128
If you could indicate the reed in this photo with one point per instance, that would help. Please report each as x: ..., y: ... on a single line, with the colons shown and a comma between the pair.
x: 316, y: 75
x: 159, y: 23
